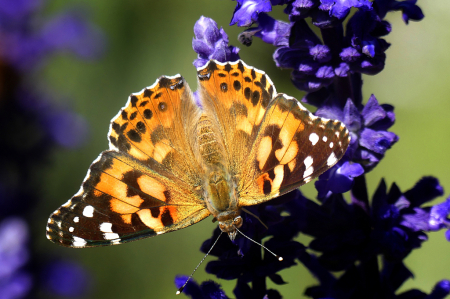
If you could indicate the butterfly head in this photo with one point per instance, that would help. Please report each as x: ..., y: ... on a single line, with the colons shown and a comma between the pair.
x: 229, y: 226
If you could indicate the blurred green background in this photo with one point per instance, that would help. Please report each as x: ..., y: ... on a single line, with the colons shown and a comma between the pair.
x: 147, y: 39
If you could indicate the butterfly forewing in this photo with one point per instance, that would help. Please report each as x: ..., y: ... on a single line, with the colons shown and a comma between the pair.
x: 155, y: 128
x: 236, y: 96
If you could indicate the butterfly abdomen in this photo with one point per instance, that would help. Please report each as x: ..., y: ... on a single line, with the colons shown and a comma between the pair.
x: 209, y: 147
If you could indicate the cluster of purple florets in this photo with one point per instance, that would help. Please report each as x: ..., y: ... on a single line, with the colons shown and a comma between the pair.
x: 367, y: 238
x: 32, y: 127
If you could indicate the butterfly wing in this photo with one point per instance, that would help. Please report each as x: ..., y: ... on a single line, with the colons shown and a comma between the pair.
x: 274, y: 144
x: 146, y: 184
x: 236, y: 96
x: 292, y: 147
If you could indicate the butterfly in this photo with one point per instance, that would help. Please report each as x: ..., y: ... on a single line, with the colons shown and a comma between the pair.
x: 176, y: 157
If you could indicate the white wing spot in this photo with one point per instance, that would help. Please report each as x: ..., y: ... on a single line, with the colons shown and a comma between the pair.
x: 308, y: 165
x: 111, y: 236
x: 79, y: 242
x: 308, y: 172
x: 116, y: 241
x: 337, y: 134
x: 88, y: 211
x: 324, y: 138
x: 76, y: 219
x: 313, y: 137
x: 331, y: 159
x: 71, y: 229
x: 331, y: 144
x: 308, y: 161
x: 106, y: 227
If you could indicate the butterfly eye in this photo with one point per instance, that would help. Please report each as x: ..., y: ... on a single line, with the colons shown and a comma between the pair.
x: 238, y: 221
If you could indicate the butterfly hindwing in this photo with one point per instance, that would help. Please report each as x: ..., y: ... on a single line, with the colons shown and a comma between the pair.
x: 120, y: 201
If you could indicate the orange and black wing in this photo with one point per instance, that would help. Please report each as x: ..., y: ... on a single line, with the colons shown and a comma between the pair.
x: 147, y: 183
x: 273, y: 143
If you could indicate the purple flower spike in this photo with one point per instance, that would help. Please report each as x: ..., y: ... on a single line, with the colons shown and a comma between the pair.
x: 210, y: 42
x: 246, y: 11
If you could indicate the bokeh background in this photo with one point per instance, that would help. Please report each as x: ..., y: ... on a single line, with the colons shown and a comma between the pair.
x: 147, y: 39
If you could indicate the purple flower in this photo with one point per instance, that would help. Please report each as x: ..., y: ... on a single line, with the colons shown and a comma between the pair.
x: 242, y: 259
x: 246, y: 11
x: 338, y: 179
x: 26, y: 47
x: 207, y: 290
x: 270, y: 31
x: 409, y: 9
x: 210, y: 42
x: 15, y: 282
x: 70, y: 32
x: 368, y: 129
x: 341, y: 8
x: 65, y: 278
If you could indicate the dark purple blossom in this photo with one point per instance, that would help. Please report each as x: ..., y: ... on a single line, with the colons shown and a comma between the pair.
x: 25, y: 47
x: 410, y: 11
x: 66, y: 278
x: 271, y: 31
x: 368, y: 129
x: 246, y: 11
x: 207, y: 290
x: 15, y: 281
x: 210, y: 42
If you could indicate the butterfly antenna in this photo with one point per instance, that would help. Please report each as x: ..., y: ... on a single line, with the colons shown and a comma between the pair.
x: 248, y: 212
x: 181, y: 289
x: 278, y: 257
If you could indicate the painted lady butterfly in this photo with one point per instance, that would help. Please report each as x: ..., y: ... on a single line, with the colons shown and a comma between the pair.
x: 172, y: 163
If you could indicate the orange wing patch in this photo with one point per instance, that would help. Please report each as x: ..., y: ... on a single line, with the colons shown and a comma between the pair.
x: 153, y: 128
x: 286, y: 152
x: 236, y: 96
